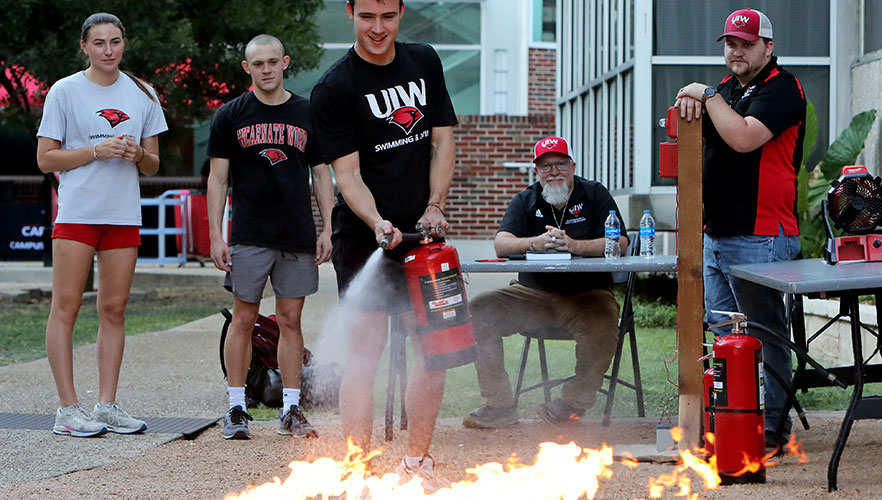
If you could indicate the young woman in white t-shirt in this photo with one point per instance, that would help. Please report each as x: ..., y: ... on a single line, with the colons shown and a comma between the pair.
x: 98, y: 132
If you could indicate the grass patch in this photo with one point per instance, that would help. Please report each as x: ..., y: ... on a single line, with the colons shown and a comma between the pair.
x: 24, y: 325
x: 22, y: 337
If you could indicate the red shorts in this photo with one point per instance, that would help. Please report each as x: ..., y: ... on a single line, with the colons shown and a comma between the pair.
x: 99, y: 236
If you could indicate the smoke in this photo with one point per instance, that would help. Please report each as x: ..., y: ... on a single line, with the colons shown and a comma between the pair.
x: 343, y: 319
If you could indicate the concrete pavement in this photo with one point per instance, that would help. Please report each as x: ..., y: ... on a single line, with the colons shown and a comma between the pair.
x: 173, y: 373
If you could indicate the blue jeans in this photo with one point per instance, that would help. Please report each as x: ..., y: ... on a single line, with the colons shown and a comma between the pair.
x: 724, y: 292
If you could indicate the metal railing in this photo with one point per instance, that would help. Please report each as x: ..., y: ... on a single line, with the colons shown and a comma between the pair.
x: 172, y: 197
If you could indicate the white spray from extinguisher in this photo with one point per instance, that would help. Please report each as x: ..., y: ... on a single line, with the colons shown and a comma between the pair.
x: 344, y: 319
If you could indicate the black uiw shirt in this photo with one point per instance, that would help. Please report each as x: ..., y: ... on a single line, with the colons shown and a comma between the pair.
x: 386, y: 115
x: 752, y: 193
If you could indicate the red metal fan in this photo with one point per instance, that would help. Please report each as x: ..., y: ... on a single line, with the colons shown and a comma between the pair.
x: 854, y: 204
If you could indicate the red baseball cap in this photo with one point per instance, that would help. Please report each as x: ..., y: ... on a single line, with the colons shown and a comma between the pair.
x: 747, y: 24
x: 552, y: 145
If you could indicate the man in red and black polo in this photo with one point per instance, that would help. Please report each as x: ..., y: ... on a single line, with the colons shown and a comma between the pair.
x: 753, y: 150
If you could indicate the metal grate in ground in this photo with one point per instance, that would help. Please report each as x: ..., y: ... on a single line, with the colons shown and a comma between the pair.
x: 155, y: 425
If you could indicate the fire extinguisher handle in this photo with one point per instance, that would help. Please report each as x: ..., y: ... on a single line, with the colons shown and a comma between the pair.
x: 411, y: 236
x: 770, y: 335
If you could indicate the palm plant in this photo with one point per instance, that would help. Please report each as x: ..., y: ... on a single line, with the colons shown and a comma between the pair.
x: 814, y: 183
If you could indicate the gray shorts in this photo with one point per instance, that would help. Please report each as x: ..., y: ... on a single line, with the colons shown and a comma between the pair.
x: 292, y: 275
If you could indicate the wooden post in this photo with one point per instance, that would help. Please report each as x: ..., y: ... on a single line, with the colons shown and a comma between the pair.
x: 690, y: 282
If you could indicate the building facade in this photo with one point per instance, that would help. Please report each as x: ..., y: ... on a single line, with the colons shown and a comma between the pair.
x: 620, y: 63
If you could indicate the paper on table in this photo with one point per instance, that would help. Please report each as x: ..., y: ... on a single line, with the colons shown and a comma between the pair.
x: 548, y: 256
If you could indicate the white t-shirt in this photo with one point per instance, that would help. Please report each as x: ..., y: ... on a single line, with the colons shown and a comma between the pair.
x: 79, y: 112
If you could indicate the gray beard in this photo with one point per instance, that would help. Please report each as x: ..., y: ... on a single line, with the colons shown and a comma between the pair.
x: 557, y: 194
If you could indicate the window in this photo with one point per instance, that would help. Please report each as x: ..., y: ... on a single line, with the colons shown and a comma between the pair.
x: 596, y: 94
x: 544, y: 20
x: 872, y: 20
x: 453, y: 28
x: 801, y: 29
x: 682, y: 46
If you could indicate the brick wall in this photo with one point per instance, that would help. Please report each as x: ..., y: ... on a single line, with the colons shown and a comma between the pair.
x: 541, y: 90
x: 482, y: 187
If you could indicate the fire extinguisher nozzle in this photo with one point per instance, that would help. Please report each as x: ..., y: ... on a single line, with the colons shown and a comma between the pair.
x: 384, y: 243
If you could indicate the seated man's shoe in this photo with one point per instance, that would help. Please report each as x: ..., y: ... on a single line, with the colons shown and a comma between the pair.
x: 490, y: 417
x: 557, y: 412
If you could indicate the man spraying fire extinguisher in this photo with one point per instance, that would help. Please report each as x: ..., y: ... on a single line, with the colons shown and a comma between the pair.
x: 385, y: 123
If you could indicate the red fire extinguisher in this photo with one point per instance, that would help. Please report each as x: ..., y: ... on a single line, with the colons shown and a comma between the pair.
x: 739, y: 405
x: 709, y: 417
x: 440, y: 307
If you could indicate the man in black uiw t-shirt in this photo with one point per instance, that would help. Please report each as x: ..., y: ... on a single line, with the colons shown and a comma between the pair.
x: 265, y: 139
x: 385, y: 121
x: 753, y: 151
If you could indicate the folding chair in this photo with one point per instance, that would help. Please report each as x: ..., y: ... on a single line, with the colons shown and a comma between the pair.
x: 626, y: 328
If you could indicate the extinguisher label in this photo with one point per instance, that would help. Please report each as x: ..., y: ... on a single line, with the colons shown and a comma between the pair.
x: 444, y: 299
x: 760, y: 381
x: 721, y: 390
x: 446, y: 302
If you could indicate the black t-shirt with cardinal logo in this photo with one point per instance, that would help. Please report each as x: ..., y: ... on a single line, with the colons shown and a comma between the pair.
x: 270, y: 149
x: 386, y: 114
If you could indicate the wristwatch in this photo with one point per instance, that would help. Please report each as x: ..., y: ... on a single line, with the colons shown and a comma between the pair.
x: 708, y: 93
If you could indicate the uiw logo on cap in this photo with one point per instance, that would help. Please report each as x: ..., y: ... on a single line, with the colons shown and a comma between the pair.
x: 740, y: 21
x: 549, y: 143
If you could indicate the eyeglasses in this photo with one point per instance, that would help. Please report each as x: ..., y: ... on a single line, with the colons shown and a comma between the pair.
x: 561, y: 166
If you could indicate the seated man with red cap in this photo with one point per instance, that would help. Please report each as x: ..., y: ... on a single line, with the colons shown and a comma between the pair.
x: 561, y: 212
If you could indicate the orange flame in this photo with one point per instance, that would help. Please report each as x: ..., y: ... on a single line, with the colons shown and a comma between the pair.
x: 560, y: 471
x: 793, y: 448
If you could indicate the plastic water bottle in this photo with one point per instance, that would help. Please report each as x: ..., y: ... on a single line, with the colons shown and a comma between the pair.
x: 647, y: 236
x: 612, y: 249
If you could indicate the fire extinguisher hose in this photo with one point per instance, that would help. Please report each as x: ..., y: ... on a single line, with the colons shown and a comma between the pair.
x: 766, y: 334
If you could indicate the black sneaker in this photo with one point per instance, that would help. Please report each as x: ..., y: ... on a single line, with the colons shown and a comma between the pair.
x: 236, y: 424
x: 294, y: 423
x: 490, y: 417
x: 557, y: 412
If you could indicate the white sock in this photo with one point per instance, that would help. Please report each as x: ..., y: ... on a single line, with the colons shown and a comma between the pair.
x: 237, y: 397
x: 412, y: 462
x: 290, y: 397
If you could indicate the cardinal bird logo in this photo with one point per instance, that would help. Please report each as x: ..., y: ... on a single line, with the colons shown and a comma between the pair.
x: 406, y: 118
x: 113, y: 116
x: 273, y: 155
x: 576, y: 210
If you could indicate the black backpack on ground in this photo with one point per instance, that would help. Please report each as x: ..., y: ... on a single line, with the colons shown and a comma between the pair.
x: 319, y: 384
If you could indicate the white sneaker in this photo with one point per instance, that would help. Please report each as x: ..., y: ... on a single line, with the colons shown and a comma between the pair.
x: 117, y: 420
x: 76, y: 421
x: 425, y: 471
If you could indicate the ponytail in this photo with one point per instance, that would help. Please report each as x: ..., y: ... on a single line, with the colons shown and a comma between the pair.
x: 139, y: 83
